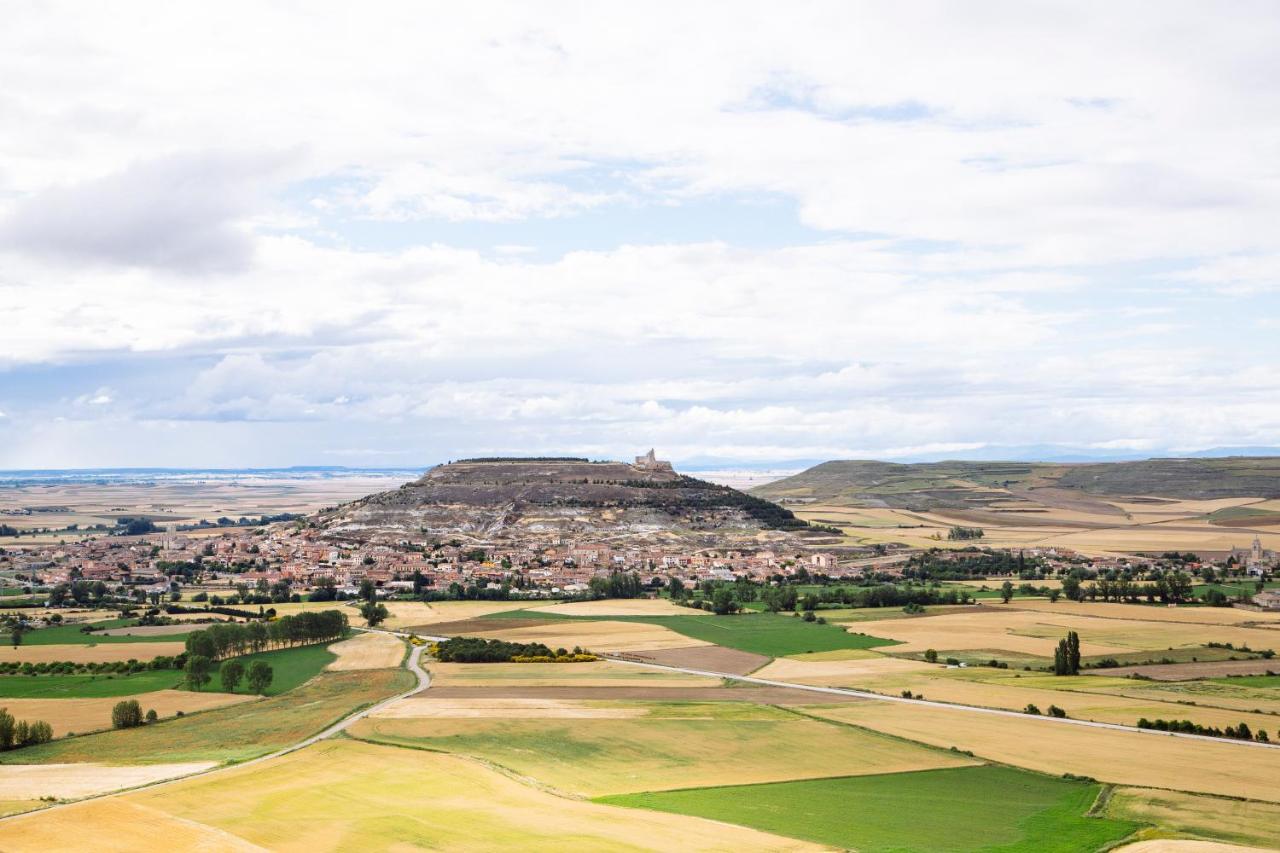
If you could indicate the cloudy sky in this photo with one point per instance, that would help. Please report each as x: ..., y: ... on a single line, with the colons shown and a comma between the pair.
x: 242, y: 234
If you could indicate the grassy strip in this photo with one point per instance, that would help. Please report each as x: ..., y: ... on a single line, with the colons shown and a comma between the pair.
x: 87, y: 686
x: 231, y: 734
x: 770, y: 634
x: 961, y: 809
x: 72, y: 635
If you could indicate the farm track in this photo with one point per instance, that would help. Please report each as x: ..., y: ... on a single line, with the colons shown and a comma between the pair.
x: 413, y: 664
x: 972, y: 709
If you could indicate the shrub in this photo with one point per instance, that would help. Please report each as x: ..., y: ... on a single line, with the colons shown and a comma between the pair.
x: 1031, y: 709
x: 1055, y: 711
x: 152, y: 716
x: 126, y: 714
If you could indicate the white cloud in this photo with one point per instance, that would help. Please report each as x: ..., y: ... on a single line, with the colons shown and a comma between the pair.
x: 1035, y: 227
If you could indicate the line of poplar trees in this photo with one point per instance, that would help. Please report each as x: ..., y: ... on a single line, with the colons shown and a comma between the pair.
x: 233, y: 638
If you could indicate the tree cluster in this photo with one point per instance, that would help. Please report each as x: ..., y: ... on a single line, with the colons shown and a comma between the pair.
x: 1066, y: 657
x: 15, y: 734
x: 233, y: 638
x: 477, y: 650
x: 1240, y: 732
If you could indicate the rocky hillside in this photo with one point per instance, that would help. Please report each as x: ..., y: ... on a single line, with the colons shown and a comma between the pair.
x: 494, y: 500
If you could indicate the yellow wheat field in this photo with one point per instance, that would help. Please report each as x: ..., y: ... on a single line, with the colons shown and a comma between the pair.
x: 344, y: 795
x: 367, y: 651
x: 71, y: 781
x: 1036, y: 743
x: 100, y: 653
x: 618, y: 607
x: 87, y: 715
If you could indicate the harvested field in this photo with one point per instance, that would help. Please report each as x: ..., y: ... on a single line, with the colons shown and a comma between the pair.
x: 616, y: 607
x: 710, y: 658
x: 410, y: 614
x: 88, y: 715
x: 71, y: 781
x: 476, y: 627
x: 507, y: 708
x: 1186, y: 845
x: 1037, y: 633
x: 1067, y: 692
x: 1146, y: 612
x: 739, y: 693
x: 150, y: 630
x: 599, y: 637
x: 1234, y: 821
x: 1195, y: 670
x: 343, y: 795
x: 673, y: 745
x: 1125, y: 758
x: 367, y: 651
x: 839, y: 673
x: 84, y: 653
x: 595, y: 674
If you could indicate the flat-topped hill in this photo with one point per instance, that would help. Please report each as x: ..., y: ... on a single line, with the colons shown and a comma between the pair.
x: 496, y: 499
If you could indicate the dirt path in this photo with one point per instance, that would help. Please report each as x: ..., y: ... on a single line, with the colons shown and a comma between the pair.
x: 413, y: 664
x: 972, y: 709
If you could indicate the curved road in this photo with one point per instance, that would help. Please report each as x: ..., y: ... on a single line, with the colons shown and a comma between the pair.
x: 414, y: 664
x: 880, y: 697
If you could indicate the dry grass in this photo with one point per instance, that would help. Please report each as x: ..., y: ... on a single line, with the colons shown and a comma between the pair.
x: 408, y: 614
x: 72, y: 781
x: 601, y: 636
x: 595, y: 674
x: 82, y: 653
x: 87, y: 715
x: 617, y: 607
x: 1235, y: 821
x: 1126, y: 758
x: 367, y: 651
x: 342, y: 795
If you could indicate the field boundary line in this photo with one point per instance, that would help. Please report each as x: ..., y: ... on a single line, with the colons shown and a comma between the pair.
x: 973, y: 709
x: 415, y: 667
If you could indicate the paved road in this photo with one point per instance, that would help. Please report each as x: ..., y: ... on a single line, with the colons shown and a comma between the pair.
x: 414, y: 665
x: 880, y: 697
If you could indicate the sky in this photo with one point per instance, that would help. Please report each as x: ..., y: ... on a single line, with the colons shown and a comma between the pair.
x: 245, y: 234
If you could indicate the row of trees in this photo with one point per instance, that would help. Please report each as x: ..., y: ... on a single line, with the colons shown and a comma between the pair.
x: 257, y: 676
x: 19, y: 733
x: 477, y: 650
x: 1240, y: 732
x: 234, y: 638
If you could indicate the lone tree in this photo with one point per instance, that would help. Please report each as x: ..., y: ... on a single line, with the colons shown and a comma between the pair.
x: 231, y: 674
x: 197, y: 671
x: 260, y: 676
x: 374, y: 614
x: 1006, y: 591
x: 126, y: 714
x: 1066, y: 657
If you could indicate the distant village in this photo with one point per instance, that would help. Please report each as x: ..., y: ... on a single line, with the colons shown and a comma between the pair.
x: 293, y: 559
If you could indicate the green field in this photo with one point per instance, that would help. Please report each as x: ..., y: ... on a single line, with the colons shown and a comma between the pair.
x: 1271, y: 681
x: 968, y: 808
x: 770, y: 634
x: 234, y: 733
x: 86, y: 686
x: 291, y: 667
x: 72, y: 635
